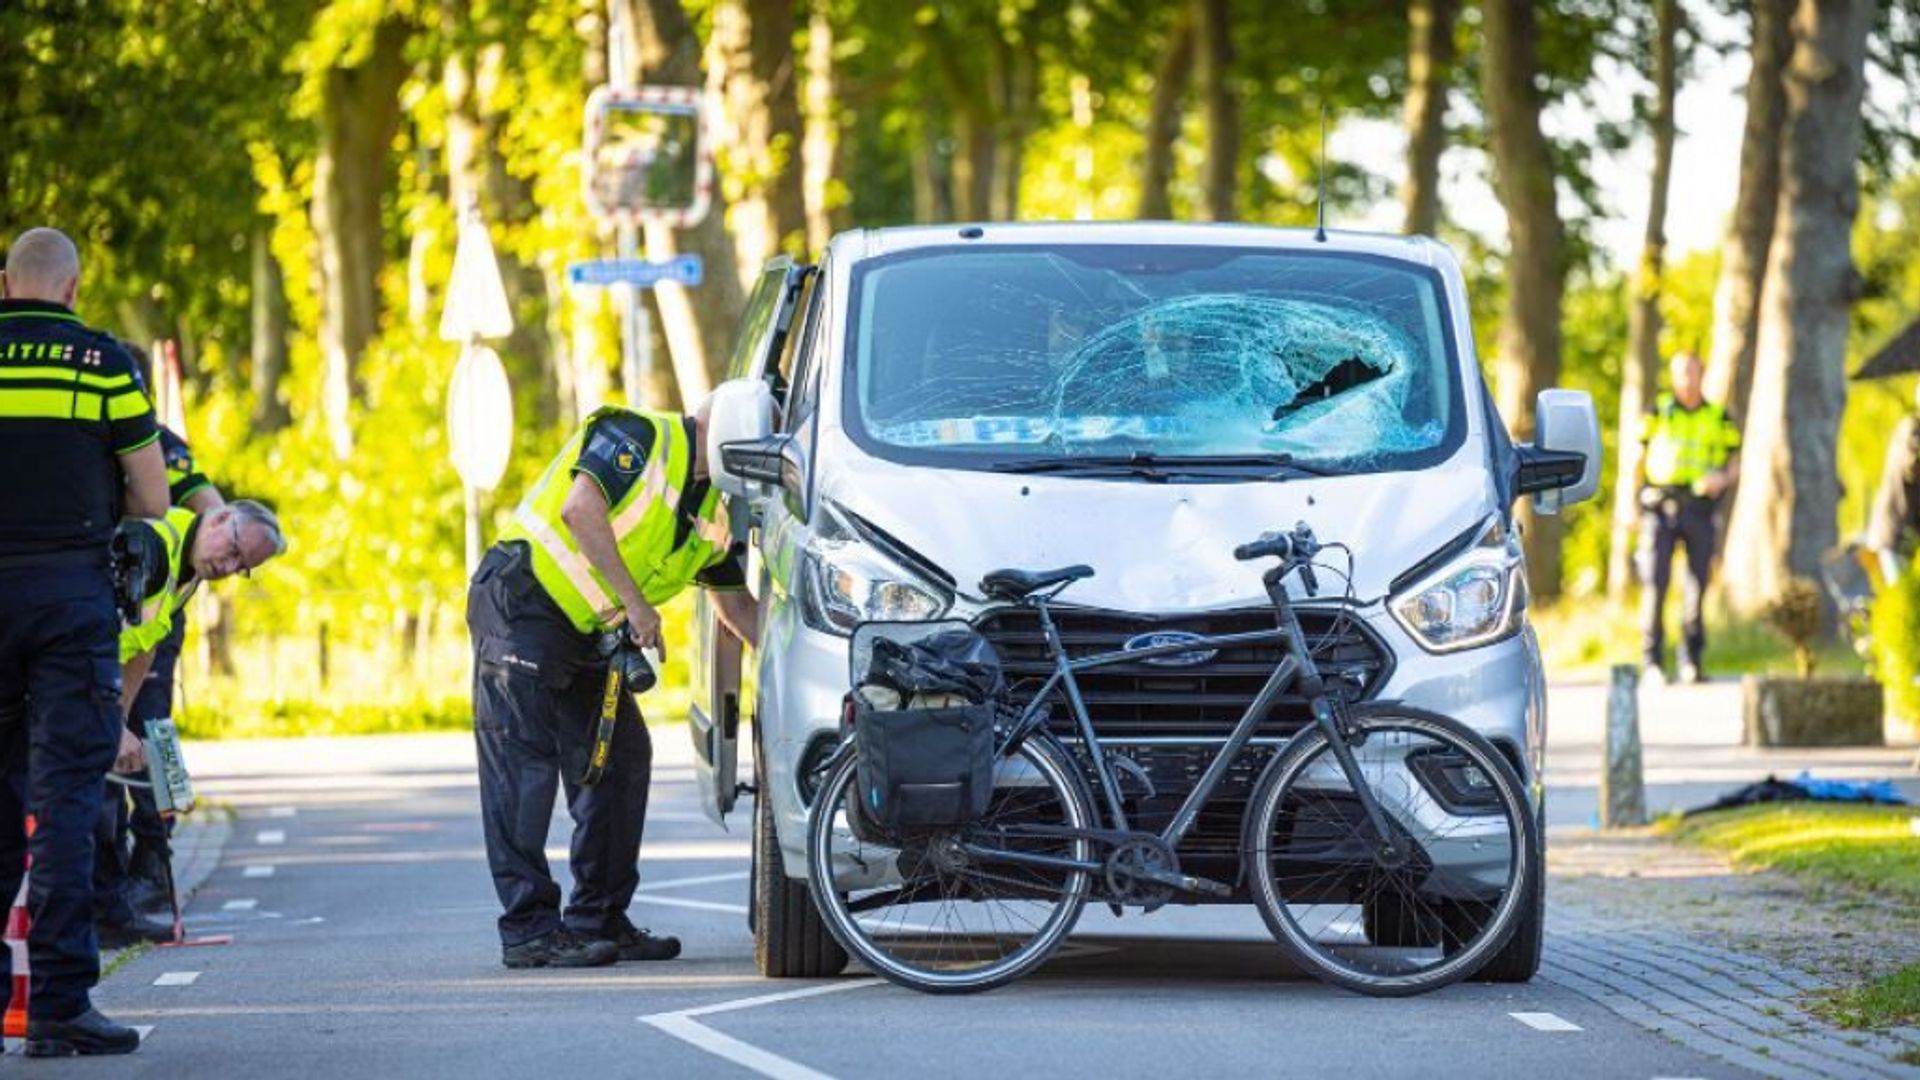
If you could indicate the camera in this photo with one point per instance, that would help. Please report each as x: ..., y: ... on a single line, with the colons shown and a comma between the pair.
x: 620, y: 651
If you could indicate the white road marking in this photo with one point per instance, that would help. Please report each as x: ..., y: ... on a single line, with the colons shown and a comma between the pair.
x: 698, y: 905
x: 690, y: 882
x: 270, y: 836
x: 257, y: 872
x: 177, y: 978
x: 682, y: 1025
x: 283, y: 811
x: 240, y: 905
x: 143, y: 1030
x: 1544, y: 1021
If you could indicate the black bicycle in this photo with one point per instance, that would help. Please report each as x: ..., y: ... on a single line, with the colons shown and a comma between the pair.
x: 1391, y: 849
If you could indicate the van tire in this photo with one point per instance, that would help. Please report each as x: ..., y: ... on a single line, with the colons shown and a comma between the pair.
x: 1519, y: 960
x: 790, y: 939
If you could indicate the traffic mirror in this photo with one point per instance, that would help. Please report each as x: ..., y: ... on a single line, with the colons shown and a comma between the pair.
x: 646, y: 155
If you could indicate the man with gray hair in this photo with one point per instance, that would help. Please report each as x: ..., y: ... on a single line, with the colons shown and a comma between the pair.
x: 80, y: 433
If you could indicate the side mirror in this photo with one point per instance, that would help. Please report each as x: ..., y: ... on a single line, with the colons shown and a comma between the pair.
x: 1562, y: 466
x: 741, y: 412
x: 775, y: 461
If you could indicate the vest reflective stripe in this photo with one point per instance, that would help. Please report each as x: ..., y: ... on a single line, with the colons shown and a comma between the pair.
x: 645, y: 525
x: 572, y: 563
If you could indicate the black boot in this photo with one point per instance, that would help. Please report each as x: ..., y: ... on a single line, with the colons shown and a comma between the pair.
x: 88, y: 1033
x: 561, y: 949
x: 132, y: 930
x: 636, y: 944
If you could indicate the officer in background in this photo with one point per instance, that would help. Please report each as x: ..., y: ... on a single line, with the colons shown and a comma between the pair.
x: 131, y: 886
x: 1690, y: 456
x: 80, y: 439
x: 626, y: 502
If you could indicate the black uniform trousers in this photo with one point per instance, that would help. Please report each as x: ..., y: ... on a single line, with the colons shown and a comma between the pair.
x: 1685, y: 520
x: 129, y: 812
x: 537, y: 685
x: 60, y: 685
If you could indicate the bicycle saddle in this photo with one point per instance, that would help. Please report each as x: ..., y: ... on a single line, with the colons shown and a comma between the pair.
x: 1019, y: 584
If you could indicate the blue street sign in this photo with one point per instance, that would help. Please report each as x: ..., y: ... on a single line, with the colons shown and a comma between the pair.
x: 683, y: 269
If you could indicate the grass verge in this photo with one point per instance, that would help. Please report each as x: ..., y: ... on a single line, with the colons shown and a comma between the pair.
x: 1893, y: 1001
x: 1873, y: 848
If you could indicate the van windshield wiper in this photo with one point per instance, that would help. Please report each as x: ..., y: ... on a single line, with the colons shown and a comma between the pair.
x: 1158, y: 466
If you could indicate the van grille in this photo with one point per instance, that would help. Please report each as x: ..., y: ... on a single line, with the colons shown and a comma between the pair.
x: 1202, y: 701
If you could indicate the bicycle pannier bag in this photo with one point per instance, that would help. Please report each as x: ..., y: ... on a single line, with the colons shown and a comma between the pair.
x: 924, y: 768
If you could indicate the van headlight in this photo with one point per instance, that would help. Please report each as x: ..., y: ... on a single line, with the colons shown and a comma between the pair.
x: 1476, y: 598
x: 846, y: 581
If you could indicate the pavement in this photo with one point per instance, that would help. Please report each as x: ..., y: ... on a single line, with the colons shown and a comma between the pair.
x: 354, y: 882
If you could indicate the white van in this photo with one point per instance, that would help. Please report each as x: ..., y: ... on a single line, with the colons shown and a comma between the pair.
x: 930, y: 404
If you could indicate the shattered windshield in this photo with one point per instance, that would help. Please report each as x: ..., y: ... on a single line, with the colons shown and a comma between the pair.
x: 1012, y: 356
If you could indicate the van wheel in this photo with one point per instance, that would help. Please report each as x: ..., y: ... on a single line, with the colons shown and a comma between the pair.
x: 790, y: 939
x: 1518, y: 961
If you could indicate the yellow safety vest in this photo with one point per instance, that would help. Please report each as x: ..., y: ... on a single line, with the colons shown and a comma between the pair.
x: 1684, y: 445
x: 644, y: 528
x: 167, y: 597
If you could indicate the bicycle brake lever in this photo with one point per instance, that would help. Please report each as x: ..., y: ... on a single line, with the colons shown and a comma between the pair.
x: 1308, y: 579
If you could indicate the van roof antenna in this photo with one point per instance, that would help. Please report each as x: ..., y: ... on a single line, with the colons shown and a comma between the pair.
x: 1320, y: 196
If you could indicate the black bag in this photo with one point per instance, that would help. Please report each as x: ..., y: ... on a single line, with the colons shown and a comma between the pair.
x: 950, y: 662
x: 924, y: 768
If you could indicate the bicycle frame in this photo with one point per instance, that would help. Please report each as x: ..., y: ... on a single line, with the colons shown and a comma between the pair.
x: 1297, y: 667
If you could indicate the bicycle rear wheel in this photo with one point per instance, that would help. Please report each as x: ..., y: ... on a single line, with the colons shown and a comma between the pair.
x: 922, y: 912
x: 1378, y: 924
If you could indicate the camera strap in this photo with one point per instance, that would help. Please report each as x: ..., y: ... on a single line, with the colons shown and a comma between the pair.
x: 603, y: 729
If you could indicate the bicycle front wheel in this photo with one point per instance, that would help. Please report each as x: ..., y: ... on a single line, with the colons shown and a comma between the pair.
x: 935, y: 912
x: 1412, y: 921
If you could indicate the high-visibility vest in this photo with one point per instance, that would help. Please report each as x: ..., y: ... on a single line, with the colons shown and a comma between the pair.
x: 643, y: 522
x: 166, y: 597
x: 1684, y: 445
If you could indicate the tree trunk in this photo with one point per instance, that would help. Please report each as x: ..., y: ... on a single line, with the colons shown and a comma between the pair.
x: 1640, y: 374
x: 1743, y: 257
x: 1784, y: 517
x: 359, y: 115
x: 698, y: 324
x: 821, y: 156
x: 1016, y: 88
x: 1529, y: 344
x: 1429, y: 71
x: 1163, y: 119
x: 754, y: 75
x: 269, y: 345
x: 1214, y: 48
x: 972, y: 161
x: 932, y: 179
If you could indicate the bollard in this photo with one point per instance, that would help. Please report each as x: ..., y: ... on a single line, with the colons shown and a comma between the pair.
x: 1623, y: 794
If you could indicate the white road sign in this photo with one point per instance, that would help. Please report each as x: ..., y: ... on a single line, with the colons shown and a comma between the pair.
x: 480, y: 418
x: 476, y: 300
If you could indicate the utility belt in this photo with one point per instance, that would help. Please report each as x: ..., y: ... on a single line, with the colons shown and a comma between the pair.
x: 87, y: 558
x: 1669, y: 498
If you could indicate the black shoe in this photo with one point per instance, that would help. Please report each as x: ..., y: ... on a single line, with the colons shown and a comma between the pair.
x: 149, y: 899
x: 139, y: 928
x: 636, y: 944
x: 88, y: 1033
x: 561, y: 949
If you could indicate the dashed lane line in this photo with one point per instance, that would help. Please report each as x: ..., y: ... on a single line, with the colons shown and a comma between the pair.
x: 270, y: 836
x: 247, y: 904
x: 690, y: 882
x: 257, y: 872
x: 1544, y: 1021
x: 177, y: 978
x: 683, y: 1025
x: 143, y: 1030
x: 283, y: 811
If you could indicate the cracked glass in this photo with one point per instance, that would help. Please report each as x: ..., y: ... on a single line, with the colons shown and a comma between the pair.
x: 1180, y: 356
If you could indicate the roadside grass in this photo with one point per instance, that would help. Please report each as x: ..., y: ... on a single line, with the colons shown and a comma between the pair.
x: 1873, y: 850
x: 122, y: 957
x: 1581, y: 639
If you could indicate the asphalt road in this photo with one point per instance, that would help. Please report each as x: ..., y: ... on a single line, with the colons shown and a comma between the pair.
x: 356, y: 890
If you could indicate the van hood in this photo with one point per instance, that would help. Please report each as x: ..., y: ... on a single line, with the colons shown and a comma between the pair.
x: 1160, y: 548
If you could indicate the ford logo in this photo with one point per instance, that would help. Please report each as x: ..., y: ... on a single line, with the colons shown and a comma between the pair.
x: 1162, y: 638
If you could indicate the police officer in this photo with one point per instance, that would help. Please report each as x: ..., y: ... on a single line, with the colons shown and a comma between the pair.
x: 1690, y: 456
x: 620, y: 521
x: 70, y: 407
x: 131, y: 886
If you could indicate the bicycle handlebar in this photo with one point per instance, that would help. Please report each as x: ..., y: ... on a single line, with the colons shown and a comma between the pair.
x: 1298, y: 545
